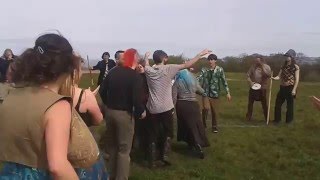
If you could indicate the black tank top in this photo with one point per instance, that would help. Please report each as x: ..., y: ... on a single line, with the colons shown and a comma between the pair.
x: 86, y: 115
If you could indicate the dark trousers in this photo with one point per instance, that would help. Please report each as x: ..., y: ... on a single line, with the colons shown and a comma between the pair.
x: 161, y: 128
x: 257, y: 95
x: 285, y: 94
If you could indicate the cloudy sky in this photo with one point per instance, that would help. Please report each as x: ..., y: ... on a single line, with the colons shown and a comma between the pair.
x: 228, y: 27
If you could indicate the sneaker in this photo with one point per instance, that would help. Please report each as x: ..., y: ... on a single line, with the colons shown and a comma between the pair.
x: 215, y: 130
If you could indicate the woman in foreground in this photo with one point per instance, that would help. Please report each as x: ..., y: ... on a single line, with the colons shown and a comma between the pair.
x: 49, y: 140
x: 190, y: 127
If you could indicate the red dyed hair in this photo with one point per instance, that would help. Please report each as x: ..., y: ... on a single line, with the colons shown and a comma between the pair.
x: 129, y: 56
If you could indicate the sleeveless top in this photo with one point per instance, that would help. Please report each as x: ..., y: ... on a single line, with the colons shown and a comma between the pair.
x: 288, y: 75
x: 86, y: 115
x: 22, y: 130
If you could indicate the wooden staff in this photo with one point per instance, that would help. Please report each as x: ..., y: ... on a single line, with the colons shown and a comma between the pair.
x: 270, y: 93
x: 92, y: 83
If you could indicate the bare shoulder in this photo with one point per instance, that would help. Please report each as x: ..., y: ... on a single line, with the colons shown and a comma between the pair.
x: 61, y: 107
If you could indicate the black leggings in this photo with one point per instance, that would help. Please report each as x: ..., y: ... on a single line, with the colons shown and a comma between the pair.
x: 285, y: 94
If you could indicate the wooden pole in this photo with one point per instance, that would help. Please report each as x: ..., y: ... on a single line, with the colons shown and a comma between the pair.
x: 92, y: 83
x: 269, y: 102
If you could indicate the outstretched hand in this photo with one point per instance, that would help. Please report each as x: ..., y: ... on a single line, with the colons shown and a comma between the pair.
x: 205, y: 52
x: 147, y: 55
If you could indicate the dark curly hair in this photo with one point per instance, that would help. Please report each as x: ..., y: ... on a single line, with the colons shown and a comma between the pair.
x: 51, y: 57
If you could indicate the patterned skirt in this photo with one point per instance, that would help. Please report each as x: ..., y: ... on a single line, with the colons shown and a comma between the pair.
x: 14, y: 171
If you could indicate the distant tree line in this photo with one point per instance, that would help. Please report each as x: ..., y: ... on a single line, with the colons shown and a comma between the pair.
x: 309, y: 72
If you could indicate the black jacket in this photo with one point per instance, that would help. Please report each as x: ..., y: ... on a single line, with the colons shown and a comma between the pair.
x: 122, y: 90
x: 101, y: 66
x: 4, y: 66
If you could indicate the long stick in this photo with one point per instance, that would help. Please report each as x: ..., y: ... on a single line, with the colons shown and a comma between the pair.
x: 270, y: 93
x: 92, y: 84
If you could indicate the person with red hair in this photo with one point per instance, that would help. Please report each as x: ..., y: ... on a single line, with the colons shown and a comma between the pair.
x: 121, y: 94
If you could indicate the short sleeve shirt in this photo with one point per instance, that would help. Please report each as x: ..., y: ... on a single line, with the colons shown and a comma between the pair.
x: 159, y: 78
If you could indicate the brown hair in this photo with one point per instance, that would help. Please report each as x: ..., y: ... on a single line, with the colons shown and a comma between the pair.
x: 51, y: 57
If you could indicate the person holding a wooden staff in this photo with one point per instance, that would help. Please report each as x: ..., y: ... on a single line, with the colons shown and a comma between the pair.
x: 258, y: 76
x: 104, y: 66
x: 289, y: 79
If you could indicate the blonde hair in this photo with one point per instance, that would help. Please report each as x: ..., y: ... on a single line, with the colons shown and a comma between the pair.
x: 68, y: 87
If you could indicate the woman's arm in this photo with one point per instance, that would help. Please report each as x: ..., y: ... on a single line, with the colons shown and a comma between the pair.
x: 297, y: 79
x: 92, y: 107
x: 277, y: 77
x: 57, y: 134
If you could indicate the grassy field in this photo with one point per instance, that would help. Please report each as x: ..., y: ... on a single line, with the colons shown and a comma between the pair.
x: 249, y: 150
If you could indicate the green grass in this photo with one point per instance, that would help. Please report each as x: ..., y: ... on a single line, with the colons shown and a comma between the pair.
x: 265, y: 152
x: 237, y: 152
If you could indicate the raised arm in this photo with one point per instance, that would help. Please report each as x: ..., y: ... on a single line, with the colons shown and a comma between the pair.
x: 188, y: 64
x: 297, y: 79
x: 146, y: 58
x: 57, y: 134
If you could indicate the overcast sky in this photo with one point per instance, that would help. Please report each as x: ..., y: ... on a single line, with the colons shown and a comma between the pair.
x: 228, y: 27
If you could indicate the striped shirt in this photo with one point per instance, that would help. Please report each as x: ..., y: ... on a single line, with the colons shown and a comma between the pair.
x: 159, y: 79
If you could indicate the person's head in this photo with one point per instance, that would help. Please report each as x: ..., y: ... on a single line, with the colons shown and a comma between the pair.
x: 51, y: 60
x: 8, y: 54
x: 119, y: 57
x: 105, y: 56
x: 258, y: 61
x: 290, y: 57
x: 131, y: 58
x: 212, y: 58
x: 186, y: 77
x: 160, y: 57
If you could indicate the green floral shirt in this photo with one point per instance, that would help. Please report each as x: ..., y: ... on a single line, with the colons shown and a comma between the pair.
x: 211, y: 80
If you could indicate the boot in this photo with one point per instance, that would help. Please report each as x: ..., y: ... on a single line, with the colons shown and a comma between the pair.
x: 204, y: 117
x: 152, y: 155
x: 199, y: 151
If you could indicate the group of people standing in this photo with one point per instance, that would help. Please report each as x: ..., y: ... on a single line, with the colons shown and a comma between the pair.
x: 52, y: 114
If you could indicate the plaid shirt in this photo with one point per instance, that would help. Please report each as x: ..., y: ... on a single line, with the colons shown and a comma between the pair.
x: 210, y: 80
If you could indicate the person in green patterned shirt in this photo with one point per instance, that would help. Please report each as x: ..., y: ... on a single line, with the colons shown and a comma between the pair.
x: 211, y: 81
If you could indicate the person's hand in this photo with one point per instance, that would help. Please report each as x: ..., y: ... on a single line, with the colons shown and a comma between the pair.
x: 293, y: 92
x: 147, y: 55
x: 204, y: 52
x: 143, y: 115
x: 275, y: 78
x: 10, y: 57
x: 229, y: 97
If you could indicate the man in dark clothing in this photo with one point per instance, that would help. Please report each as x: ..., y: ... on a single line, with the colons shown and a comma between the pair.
x: 104, y: 66
x: 5, y: 62
x: 121, y: 93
